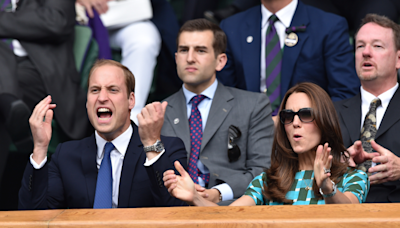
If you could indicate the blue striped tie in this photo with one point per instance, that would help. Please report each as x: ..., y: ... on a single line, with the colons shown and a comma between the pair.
x: 103, y: 197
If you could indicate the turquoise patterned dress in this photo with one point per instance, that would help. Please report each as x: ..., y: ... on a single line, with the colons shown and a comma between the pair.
x: 354, y: 181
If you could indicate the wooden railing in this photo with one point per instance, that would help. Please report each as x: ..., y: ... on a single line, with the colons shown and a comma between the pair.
x: 347, y: 215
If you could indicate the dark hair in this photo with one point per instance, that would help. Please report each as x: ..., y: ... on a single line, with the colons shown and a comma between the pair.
x: 284, y: 162
x: 129, y: 77
x: 383, y: 22
x: 219, y: 42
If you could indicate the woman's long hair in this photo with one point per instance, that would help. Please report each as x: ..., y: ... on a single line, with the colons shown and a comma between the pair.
x: 284, y: 161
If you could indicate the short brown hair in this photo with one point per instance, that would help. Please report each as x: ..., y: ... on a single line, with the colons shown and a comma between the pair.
x: 383, y: 22
x: 284, y: 161
x: 220, y: 40
x: 129, y: 77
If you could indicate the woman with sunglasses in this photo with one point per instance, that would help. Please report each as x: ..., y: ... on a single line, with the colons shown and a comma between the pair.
x: 309, y: 164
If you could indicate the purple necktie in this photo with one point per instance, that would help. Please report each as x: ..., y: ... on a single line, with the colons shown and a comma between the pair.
x: 273, y: 63
x: 196, y: 135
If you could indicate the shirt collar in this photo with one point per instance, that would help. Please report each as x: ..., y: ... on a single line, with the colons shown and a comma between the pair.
x: 120, y: 143
x: 367, y: 97
x: 284, y: 15
x: 209, y: 92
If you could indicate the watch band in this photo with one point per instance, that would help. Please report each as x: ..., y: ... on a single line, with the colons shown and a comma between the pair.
x: 157, y: 147
x: 330, y: 194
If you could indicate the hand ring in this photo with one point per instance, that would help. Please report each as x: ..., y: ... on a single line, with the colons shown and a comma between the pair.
x: 326, y: 170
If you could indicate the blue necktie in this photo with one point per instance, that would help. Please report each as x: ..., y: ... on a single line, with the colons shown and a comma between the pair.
x: 6, y: 5
x: 103, y: 197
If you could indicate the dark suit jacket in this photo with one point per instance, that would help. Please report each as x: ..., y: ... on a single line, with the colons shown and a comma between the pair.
x: 250, y: 112
x: 69, y: 180
x: 349, y: 112
x: 45, y: 28
x: 322, y: 55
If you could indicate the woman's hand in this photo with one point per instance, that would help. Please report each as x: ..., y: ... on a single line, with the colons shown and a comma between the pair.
x: 322, y: 166
x: 181, y: 187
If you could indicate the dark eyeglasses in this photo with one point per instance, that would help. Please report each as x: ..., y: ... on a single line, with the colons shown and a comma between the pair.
x: 305, y: 115
x: 234, y: 133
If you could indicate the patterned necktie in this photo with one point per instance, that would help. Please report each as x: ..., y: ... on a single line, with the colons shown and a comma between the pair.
x: 273, y: 62
x: 103, y: 197
x: 196, y: 135
x: 368, y: 132
x: 6, y: 5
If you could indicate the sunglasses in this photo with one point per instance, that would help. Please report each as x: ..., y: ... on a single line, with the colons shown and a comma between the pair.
x: 234, y: 133
x: 305, y: 115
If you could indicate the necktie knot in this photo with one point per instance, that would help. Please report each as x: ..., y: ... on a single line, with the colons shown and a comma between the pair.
x: 197, y: 99
x: 375, y: 104
x: 108, y: 148
x: 273, y: 18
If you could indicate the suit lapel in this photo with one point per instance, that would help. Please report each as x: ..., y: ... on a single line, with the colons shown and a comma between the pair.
x: 131, y: 159
x: 290, y: 54
x: 219, y: 110
x: 89, y: 166
x: 177, y: 111
x: 391, y: 115
x: 252, y: 51
x: 351, y: 115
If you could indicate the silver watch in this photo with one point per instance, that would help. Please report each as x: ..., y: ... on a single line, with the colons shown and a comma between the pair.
x: 330, y: 194
x: 157, y: 147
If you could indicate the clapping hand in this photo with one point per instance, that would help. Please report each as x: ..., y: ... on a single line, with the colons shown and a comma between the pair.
x: 322, y: 167
x: 181, y: 187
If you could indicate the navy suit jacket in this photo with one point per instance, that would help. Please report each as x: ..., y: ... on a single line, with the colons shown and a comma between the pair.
x: 322, y: 55
x: 69, y: 179
x: 349, y: 112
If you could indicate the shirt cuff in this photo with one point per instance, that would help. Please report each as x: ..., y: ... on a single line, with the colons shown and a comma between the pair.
x: 152, y: 161
x: 35, y: 165
x: 225, y: 190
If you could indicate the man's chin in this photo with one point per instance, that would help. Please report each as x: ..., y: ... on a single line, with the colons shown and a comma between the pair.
x: 368, y: 77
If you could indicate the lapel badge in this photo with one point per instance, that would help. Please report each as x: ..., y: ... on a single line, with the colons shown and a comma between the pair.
x: 176, y: 120
x: 249, y: 39
x: 291, y: 39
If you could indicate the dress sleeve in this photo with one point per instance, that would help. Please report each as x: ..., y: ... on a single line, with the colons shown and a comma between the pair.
x: 357, y: 182
x: 254, y: 190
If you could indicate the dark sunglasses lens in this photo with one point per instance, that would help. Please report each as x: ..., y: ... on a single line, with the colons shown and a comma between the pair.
x: 286, y: 116
x: 306, y: 115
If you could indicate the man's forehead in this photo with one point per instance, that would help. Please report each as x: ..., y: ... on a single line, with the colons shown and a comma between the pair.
x: 107, y: 74
x: 373, y: 31
x: 196, y: 38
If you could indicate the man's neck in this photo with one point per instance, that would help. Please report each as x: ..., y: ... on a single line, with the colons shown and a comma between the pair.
x: 377, y: 89
x: 275, y: 5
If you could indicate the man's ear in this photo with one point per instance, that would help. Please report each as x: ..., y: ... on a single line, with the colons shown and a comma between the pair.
x: 398, y: 59
x: 221, y: 61
x: 131, y: 100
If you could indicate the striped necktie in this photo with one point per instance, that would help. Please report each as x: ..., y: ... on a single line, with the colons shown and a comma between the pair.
x: 368, y: 132
x: 273, y: 62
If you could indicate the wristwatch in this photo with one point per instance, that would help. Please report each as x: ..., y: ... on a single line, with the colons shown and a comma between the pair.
x: 330, y: 194
x: 157, y: 147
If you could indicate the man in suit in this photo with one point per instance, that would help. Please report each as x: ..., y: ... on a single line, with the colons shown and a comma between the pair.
x: 377, y: 62
x: 315, y: 47
x: 69, y: 180
x: 229, y: 119
x: 36, y: 60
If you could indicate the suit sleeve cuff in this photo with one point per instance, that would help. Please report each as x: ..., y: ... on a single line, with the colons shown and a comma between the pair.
x: 152, y: 161
x: 225, y: 190
x: 36, y: 165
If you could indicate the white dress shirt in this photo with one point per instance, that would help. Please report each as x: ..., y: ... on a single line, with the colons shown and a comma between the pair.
x: 285, y: 16
x: 204, y: 109
x: 367, y: 98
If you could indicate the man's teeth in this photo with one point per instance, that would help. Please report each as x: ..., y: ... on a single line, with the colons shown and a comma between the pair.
x: 104, y: 110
